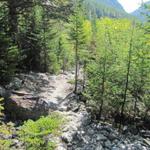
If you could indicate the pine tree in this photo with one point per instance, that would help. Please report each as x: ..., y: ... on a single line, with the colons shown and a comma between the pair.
x: 77, y: 36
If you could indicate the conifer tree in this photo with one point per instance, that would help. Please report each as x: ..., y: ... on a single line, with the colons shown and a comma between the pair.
x: 77, y: 36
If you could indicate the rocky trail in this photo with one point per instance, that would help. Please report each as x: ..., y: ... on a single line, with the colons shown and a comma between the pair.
x: 39, y: 94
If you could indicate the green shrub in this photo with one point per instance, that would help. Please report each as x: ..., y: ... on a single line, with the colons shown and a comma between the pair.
x: 1, y: 107
x: 5, y: 144
x: 71, y: 81
x: 34, y: 133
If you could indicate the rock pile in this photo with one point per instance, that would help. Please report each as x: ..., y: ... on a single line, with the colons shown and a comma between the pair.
x: 104, y: 137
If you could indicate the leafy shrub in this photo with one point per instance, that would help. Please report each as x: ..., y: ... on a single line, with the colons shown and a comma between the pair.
x: 5, y: 144
x: 72, y: 81
x: 34, y: 133
x: 1, y: 107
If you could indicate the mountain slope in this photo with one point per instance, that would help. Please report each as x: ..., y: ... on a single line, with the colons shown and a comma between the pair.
x: 110, y: 8
x: 139, y: 13
x: 111, y: 3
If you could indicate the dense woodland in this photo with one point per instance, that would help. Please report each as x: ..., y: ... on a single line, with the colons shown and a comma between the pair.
x: 112, y: 52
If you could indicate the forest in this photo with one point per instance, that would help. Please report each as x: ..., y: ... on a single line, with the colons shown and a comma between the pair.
x: 107, y: 53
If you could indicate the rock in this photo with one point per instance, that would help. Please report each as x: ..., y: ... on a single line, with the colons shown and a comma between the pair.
x: 91, y: 131
x: 115, y: 148
x: 15, y: 84
x: 75, y: 109
x: 23, y: 108
x: 61, y: 148
x: 3, y: 92
x: 86, y: 139
x: 147, y: 142
x: 67, y: 138
x: 101, y: 137
x: 122, y: 146
x: 99, y: 147
x: 108, y: 144
x: 21, y: 93
x: 145, y: 133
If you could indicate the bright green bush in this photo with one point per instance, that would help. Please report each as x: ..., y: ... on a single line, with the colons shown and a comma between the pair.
x: 5, y: 130
x: 5, y: 144
x: 34, y: 133
x: 1, y: 107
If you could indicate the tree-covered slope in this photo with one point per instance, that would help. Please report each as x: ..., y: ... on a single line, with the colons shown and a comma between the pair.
x: 110, y: 8
x: 140, y: 12
x: 111, y: 3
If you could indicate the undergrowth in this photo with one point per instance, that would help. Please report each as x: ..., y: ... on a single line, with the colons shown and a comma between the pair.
x: 35, y: 133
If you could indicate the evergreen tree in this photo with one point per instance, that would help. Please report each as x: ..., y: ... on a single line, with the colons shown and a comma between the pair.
x: 77, y: 36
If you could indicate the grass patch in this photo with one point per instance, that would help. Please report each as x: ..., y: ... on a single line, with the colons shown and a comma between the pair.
x: 71, y: 81
x: 34, y: 133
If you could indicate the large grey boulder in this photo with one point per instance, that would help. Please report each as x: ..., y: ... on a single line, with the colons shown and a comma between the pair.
x: 23, y: 106
x: 3, y: 92
x: 15, y: 84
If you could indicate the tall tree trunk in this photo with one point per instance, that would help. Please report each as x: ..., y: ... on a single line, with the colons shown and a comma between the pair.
x: 84, y: 74
x: 45, y: 47
x: 13, y: 19
x: 76, y: 67
x: 127, y: 78
x: 103, y: 87
x: 135, y: 108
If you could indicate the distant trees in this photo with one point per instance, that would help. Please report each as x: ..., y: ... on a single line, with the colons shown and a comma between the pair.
x: 102, y: 9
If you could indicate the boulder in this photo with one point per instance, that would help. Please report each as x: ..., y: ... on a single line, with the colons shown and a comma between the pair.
x: 15, y: 84
x: 3, y: 92
x: 23, y: 106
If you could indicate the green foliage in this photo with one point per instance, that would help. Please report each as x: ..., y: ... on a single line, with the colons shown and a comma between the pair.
x: 108, y: 71
x: 35, y: 133
x: 5, y: 144
x: 54, y: 66
x: 5, y: 130
x: 1, y: 107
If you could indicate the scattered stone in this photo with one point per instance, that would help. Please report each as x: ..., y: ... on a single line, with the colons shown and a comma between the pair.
x: 15, y: 84
x: 67, y: 138
x: 99, y: 147
x: 101, y: 137
x: 3, y: 92
x: 147, y: 142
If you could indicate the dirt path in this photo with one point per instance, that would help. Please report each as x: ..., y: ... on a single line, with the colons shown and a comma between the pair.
x: 56, y: 89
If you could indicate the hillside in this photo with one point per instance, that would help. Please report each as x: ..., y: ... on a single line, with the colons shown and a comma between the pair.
x: 139, y: 13
x: 111, y: 3
x: 110, y: 8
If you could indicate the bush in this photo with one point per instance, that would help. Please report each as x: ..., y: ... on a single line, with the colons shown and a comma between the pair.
x: 34, y: 133
x: 5, y: 144
x: 1, y: 107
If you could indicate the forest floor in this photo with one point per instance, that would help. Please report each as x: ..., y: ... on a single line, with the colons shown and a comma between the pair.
x: 79, y: 132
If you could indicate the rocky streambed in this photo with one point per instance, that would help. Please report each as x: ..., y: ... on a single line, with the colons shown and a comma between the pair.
x: 35, y: 94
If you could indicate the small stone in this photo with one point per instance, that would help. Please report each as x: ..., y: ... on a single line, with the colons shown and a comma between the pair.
x: 108, y: 144
x: 90, y: 131
x: 66, y: 138
x: 123, y: 147
x: 115, y: 148
x: 99, y: 147
x: 147, y: 142
x: 101, y: 137
x: 112, y: 137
